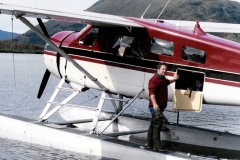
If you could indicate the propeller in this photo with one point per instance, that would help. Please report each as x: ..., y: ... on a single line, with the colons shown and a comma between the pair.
x: 47, y: 72
x: 43, y: 83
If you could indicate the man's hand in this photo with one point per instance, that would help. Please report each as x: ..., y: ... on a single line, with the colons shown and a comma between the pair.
x: 155, y: 106
x: 175, y: 76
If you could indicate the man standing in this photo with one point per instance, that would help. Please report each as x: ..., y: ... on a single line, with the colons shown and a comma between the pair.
x: 158, y: 96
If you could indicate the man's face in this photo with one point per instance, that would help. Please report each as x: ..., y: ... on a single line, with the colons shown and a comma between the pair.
x: 162, y: 70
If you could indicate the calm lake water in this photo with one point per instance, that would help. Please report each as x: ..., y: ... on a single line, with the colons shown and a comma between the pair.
x: 21, y: 75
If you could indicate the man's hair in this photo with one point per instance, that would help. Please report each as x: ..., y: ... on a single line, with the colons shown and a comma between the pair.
x: 161, y: 64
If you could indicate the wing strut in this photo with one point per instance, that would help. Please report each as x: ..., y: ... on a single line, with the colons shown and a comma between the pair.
x: 56, y: 48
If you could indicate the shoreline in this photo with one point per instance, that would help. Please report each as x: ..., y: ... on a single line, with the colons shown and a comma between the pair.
x: 19, y: 47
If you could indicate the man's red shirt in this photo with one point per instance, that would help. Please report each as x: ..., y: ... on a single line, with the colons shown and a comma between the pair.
x: 158, y: 85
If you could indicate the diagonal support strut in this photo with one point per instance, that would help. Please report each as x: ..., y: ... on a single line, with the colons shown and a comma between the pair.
x: 130, y: 102
x: 56, y: 48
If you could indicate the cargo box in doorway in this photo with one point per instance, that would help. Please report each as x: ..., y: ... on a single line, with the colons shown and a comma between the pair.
x: 188, y: 94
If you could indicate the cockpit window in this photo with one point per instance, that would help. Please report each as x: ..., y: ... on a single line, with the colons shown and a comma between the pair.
x: 89, y: 38
x: 160, y: 46
x: 126, y: 41
x: 193, y: 54
x: 127, y: 46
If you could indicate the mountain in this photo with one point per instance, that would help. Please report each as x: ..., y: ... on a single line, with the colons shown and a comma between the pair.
x: 224, y: 11
x: 209, y: 10
x: 4, y: 35
x: 52, y: 27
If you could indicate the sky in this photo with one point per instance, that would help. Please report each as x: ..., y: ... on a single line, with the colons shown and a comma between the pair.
x: 19, y: 27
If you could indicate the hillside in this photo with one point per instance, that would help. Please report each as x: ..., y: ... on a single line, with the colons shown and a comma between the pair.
x: 7, y: 35
x: 224, y: 11
x: 210, y: 10
x: 52, y: 27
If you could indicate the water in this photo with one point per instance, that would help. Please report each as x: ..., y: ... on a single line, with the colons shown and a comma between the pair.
x: 16, y: 150
x: 21, y: 75
x: 19, y: 87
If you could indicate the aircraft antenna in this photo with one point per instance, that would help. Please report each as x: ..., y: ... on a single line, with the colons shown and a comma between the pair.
x: 145, y: 10
x: 13, y: 55
x: 162, y: 11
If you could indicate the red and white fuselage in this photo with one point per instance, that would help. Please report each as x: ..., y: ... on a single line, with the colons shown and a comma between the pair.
x: 218, y: 58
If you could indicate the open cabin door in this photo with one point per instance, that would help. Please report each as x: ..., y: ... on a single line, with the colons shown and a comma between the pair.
x: 188, y: 94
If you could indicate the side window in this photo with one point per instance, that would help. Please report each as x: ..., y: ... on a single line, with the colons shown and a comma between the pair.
x: 89, y: 39
x: 160, y: 46
x: 193, y: 54
x: 127, y: 46
x: 49, y: 48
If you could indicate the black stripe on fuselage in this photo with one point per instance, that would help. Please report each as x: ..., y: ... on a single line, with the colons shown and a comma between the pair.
x: 149, y: 65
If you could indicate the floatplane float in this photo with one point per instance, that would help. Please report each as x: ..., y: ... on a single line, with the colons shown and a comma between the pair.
x: 118, y: 55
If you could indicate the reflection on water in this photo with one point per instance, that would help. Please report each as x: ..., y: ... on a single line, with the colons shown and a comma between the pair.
x: 20, y: 99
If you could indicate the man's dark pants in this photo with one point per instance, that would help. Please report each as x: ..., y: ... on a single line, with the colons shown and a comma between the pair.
x: 154, y: 130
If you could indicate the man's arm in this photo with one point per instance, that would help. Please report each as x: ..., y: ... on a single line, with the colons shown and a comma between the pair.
x: 152, y: 86
x: 155, y: 105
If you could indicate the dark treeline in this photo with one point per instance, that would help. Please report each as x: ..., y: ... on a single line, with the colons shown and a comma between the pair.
x: 18, y: 47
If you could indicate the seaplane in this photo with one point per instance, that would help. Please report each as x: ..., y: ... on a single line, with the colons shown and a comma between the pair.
x: 118, y: 55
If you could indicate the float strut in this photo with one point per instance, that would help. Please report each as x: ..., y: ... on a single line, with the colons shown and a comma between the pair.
x: 121, y: 111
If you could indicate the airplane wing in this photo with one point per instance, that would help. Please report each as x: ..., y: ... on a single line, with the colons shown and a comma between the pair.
x: 37, y: 9
x: 42, y: 9
x: 207, y: 26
